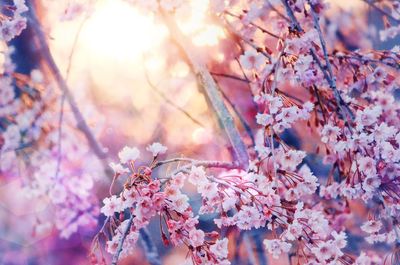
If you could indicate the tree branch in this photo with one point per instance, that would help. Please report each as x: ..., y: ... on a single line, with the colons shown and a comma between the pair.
x: 242, y: 120
x: 231, y: 77
x: 295, y: 25
x: 49, y: 61
x: 231, y: 30
x: 331, y: 79
x: 205, y: 163
x: 344, y: 109
x: 264, y: 30
x: 60, y: 120
x: 211, y: 89
x: 121, y: 241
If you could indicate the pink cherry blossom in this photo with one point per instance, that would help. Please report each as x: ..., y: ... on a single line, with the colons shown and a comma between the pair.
x: 196, y: 237
x: 252, y: 60
x: 128, y: 154
x: 156, y: 149
x: 371, y: 226
x: 220, y: 248
x: 111, y: 205
x: 277, y: 247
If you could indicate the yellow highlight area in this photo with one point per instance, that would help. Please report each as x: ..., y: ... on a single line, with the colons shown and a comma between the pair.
x: 120, y: 32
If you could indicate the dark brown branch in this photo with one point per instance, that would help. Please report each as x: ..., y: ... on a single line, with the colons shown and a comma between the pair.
x: 255, y: 25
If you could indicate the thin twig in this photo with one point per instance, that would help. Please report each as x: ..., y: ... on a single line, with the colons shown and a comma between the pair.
x: 59, y: 143
x: 273, y: 90
x: 60, y: 121
x: 295, y: 25
x: 205, y: 163
x: 255, y: 105
x: 395, y: 65
x: 255, y: 25
x: 166, y: 99
x: 289, y: 96
x: 237, y: 35
x: 332, y: 83
x: 277, y: 11
x: 231, y: 77
x: 173, y: 160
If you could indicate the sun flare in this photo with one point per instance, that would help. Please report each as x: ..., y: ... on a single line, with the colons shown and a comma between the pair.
x: 118, y: 31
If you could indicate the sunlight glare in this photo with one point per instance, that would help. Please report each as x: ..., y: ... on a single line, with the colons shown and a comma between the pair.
x: 201, y: 136
x: 209, y: 36
x: 117, y: 30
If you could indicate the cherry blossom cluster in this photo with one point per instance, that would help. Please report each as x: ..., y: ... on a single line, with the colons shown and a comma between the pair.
x: 354, y: 110
x: 20, y: 110
x: 390, y: 30
x: 145, y: 197
x: 12, y: 20
x: 31, y: 131
x: 245, y: 200
x: 280, y: 117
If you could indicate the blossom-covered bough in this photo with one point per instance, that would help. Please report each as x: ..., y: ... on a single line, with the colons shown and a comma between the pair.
x: 308, y: 78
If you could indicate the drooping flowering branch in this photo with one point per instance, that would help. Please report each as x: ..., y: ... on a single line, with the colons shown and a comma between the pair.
x: 346, y: 111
